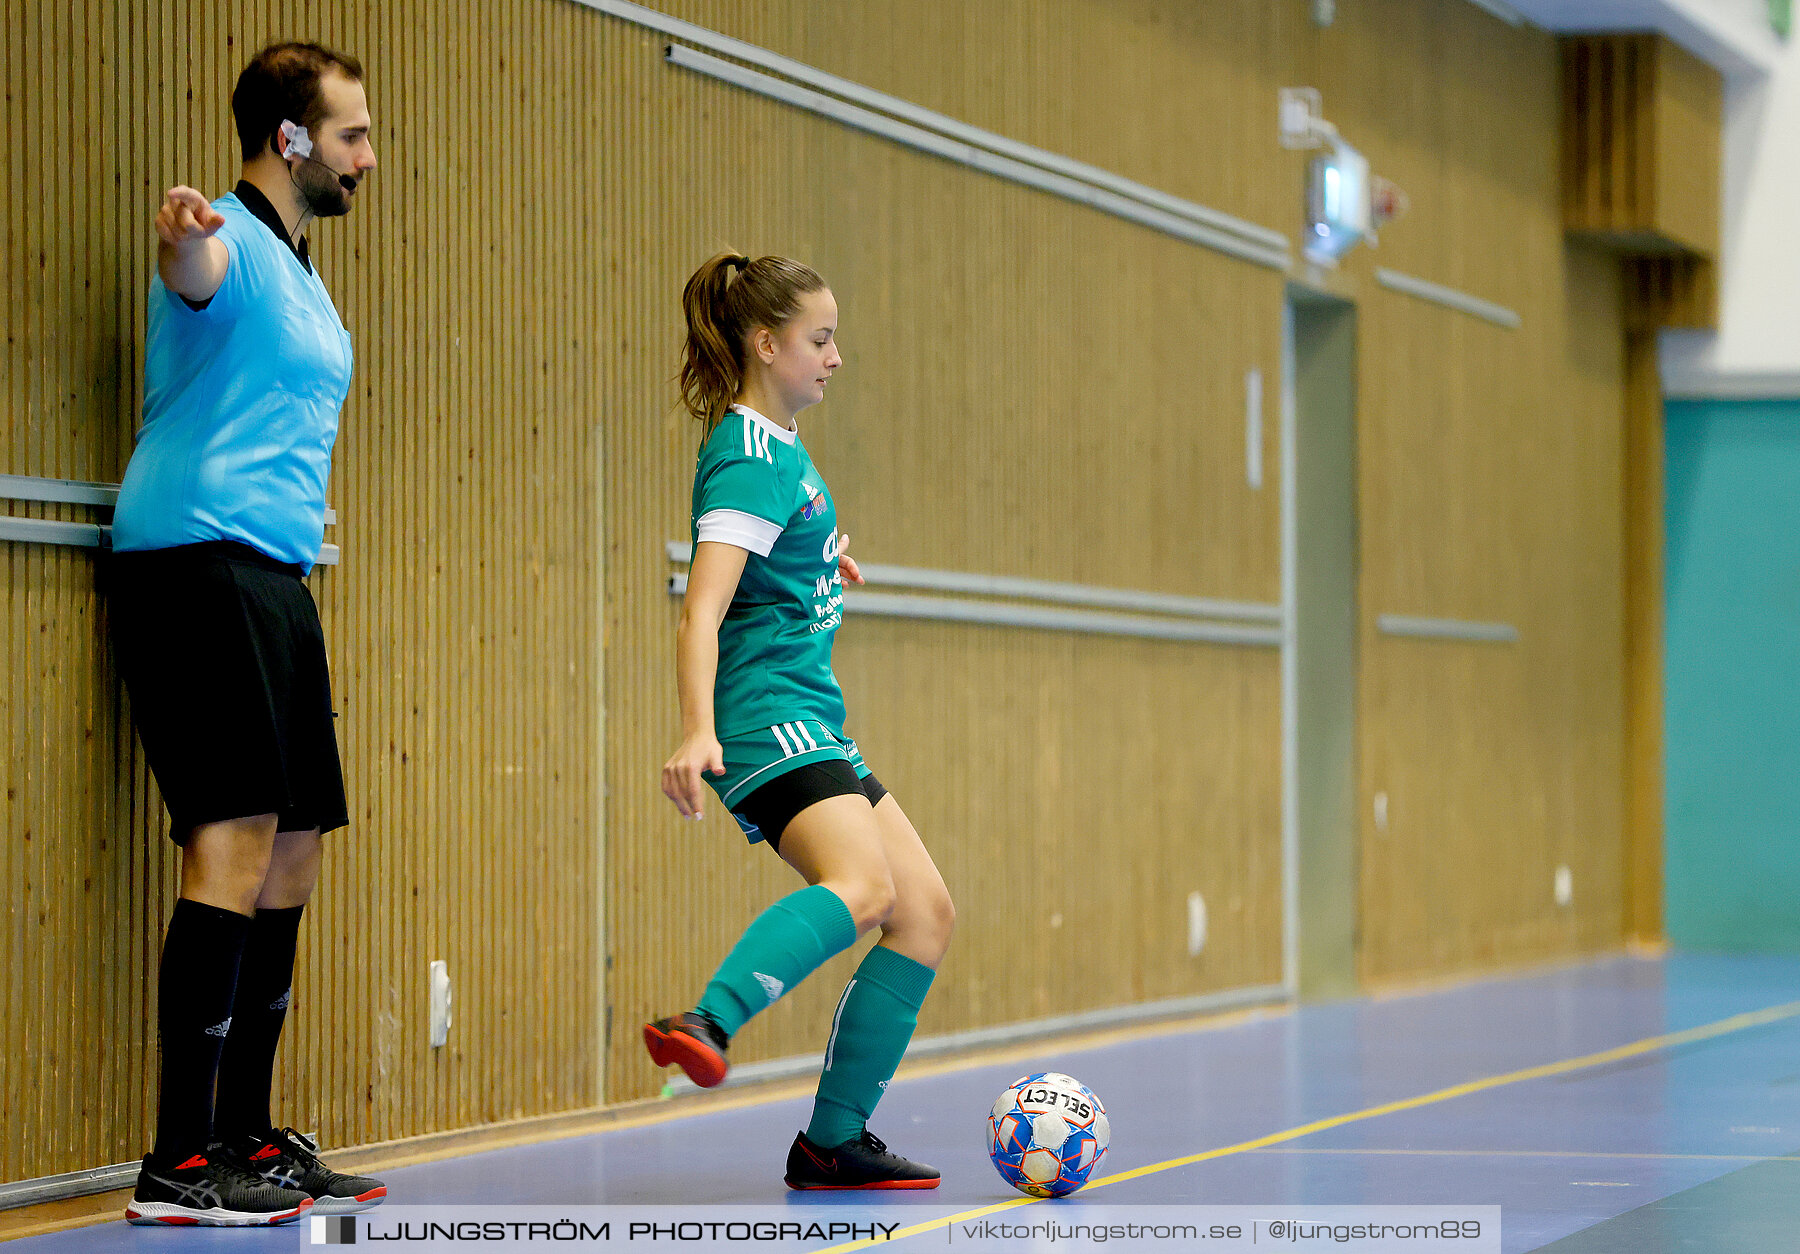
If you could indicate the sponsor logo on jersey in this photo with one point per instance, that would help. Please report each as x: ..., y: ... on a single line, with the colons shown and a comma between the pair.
x: 815, y: 503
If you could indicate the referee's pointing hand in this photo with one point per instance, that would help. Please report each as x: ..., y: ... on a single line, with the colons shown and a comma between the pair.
x: 186, y: 216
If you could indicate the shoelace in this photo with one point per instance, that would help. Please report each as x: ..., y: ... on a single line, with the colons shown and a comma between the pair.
x: 296, y: 1146
x: 874, y: 1142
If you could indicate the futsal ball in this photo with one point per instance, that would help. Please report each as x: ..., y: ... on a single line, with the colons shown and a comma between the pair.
x: 1047, y: 1133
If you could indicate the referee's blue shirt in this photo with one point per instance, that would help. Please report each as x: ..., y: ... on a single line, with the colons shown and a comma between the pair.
x: 241, y: 402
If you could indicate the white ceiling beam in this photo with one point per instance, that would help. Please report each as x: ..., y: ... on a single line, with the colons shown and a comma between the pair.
x: 1733, y: 36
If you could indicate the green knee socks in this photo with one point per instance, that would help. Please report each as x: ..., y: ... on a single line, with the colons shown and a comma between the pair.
x: 782, y: 946
x: 874, y: 1022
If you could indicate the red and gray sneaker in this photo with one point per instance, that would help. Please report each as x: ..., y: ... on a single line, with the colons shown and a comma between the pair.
x: 692, y: 1042
x: 211, y: 1189
x: 862, y: 1162
x: 291, y: 1159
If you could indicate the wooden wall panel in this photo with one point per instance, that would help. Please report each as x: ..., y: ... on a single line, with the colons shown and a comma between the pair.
x: 76, y: 808
x: 1609, y: 134
x: 1670, y: 290
x: 1690, y: 120
x: 1490, y: 472
x: 1077, y: 790
x: 1019, y: 67
x: 463, y: 624
x: 1642, y: 143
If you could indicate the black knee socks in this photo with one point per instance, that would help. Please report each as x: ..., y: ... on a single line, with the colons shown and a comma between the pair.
x: 195, y: 992
x: 265, y: 980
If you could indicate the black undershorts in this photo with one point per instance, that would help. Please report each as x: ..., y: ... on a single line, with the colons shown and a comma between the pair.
x: 772, y: 807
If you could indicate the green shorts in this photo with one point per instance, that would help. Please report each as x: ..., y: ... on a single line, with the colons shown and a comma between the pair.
x: 755, y: 758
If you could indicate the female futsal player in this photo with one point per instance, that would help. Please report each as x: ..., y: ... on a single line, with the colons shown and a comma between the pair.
x: 763, y: 722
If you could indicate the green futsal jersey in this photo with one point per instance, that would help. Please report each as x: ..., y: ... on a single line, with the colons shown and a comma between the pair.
x: 755, y: 487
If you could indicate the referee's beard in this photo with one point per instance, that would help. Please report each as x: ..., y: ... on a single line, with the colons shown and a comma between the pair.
x: 320, y: 190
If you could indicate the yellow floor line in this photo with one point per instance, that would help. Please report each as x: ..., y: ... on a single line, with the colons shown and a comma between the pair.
x: 1723, y: 1027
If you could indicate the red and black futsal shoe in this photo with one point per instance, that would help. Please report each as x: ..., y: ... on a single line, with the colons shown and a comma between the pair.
x: 692, y: 1042
x: 211, y: 1189
x: 862, y: 1162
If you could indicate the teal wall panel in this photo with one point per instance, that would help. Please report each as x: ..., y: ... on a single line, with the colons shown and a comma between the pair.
x: 1732, y: 698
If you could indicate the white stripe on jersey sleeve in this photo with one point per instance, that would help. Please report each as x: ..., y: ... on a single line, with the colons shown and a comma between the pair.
x: 733, y: 526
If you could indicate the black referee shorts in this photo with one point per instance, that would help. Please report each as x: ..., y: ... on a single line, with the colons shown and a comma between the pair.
x: 224, y: 661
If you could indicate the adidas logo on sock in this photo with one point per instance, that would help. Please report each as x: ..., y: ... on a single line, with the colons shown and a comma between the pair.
x: 281, y: 1002
x: 220, y: 1029
x: 770, y: 984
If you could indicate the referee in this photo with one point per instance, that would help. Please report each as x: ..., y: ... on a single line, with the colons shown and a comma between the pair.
x: 220, y: 517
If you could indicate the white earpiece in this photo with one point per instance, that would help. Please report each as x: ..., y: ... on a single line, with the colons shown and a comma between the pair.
x: 298, y: 142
